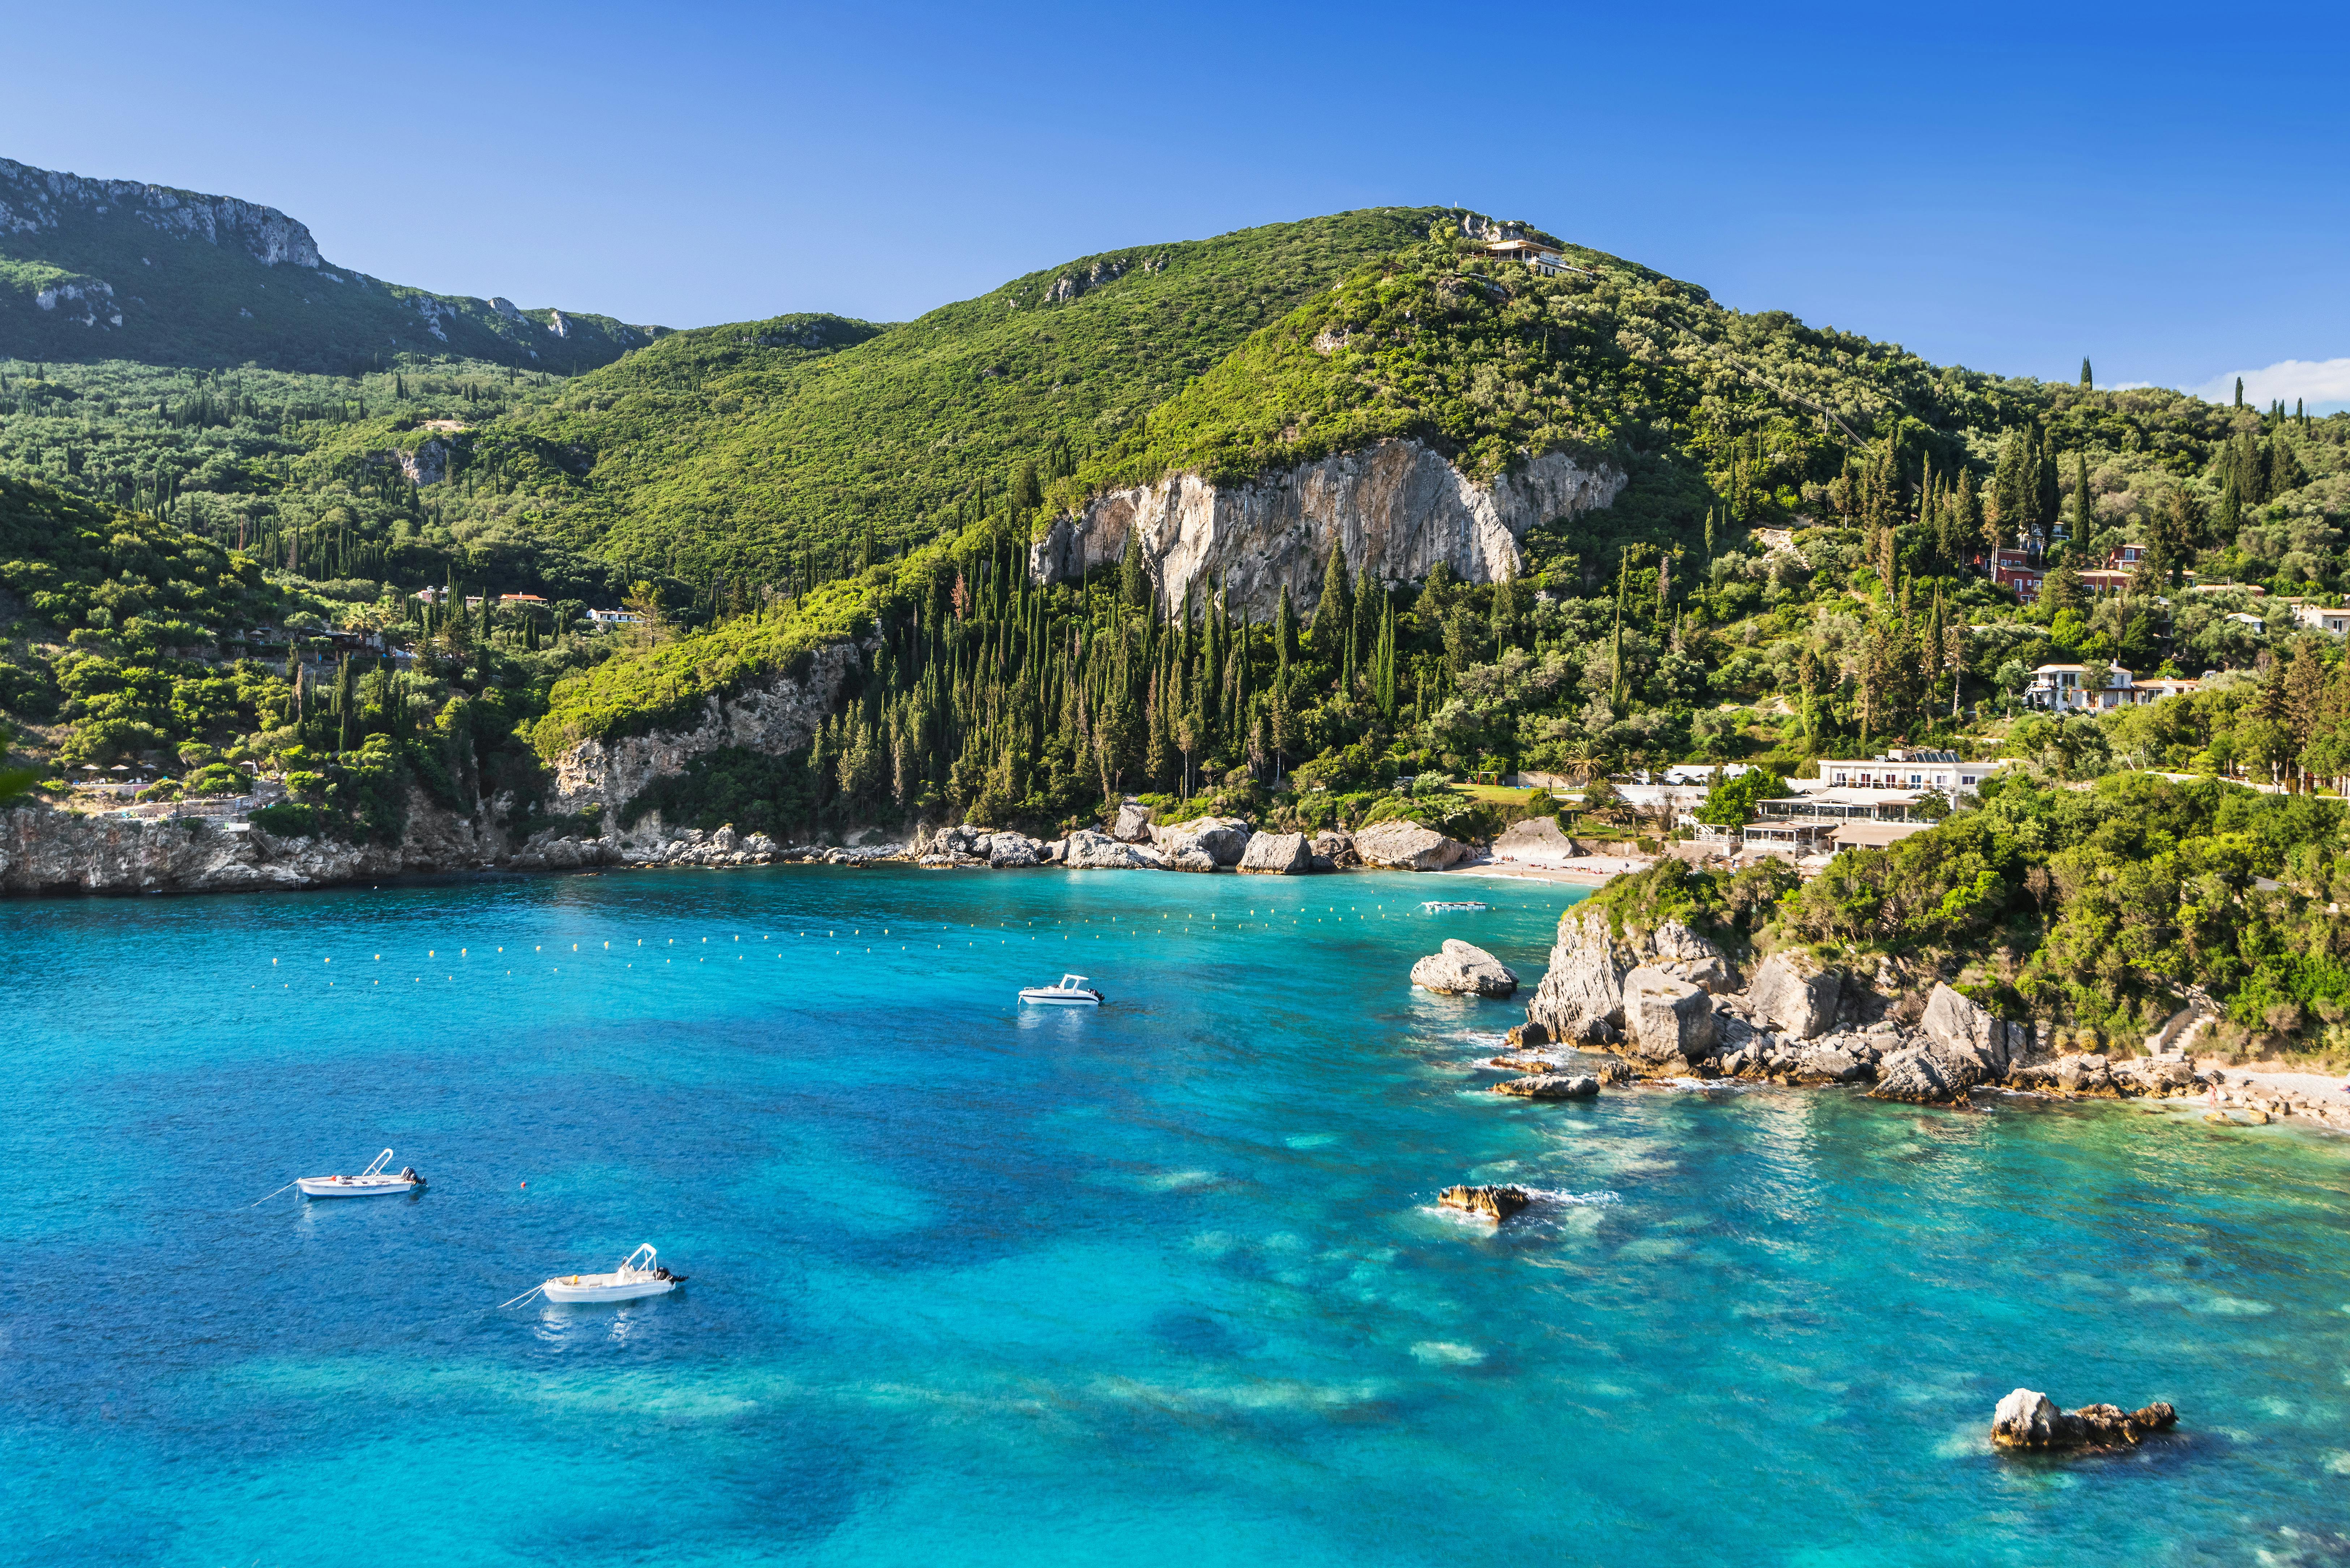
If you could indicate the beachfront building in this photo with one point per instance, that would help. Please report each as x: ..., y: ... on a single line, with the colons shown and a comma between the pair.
x: 1948, y: 771
x: 1804, y: 824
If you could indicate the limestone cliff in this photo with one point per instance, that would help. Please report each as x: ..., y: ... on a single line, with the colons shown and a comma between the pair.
x: 775, y: 716
x: 1396, y: 508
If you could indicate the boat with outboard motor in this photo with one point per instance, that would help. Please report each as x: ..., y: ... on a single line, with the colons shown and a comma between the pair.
x: 1453, y: 907
x: 640, y: 1274
x: 1073, y: 992
x: 375, y: 1182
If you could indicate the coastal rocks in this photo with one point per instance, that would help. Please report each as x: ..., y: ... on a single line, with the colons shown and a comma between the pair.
x: 1277, y: 854
x: 1551, y: 1086
x: 1669, y: 1021
x: 1462, y: 970
x: 1495, y: 1203
x: 1921, y: 1075
x: 1014, y: 849
x: 1960, y: 1027
x: 2029, y: 1420
x: 1526, y: 1034
x: 1202, y: 843
x: 1795, y: 993
x: 1091, y: 850
x: 1401, y: 845
x: 1333, y: 851
x: 1133, y: 824
x: 1581, y: 997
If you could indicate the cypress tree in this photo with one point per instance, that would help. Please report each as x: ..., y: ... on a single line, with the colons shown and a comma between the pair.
x: 2086, y: 380
x: 2240, y: 391
x: 2080, y: 498
x: 1133, y: 582
x: 1284, y: 637
x: 1335, y: 607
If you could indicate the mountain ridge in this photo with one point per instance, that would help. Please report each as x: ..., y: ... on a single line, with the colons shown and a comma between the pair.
x: 94, y: 268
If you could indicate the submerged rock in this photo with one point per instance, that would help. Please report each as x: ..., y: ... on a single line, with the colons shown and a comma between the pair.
x: 1495, y: 1203
x: 2028, y: 1419
x: 1551, y: 1086
x: 1462, y: 970
x: 1407, y: 846
x: 1277, y: 854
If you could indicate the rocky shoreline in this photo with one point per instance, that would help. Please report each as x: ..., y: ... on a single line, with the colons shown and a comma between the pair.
x: 1669, y: 1005
x: 56, y: 851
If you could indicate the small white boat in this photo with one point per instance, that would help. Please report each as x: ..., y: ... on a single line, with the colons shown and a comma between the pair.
x: 640, y: 1274
x: 1073, y: 992
x: 375, y: 1182
x: 1453, y: 907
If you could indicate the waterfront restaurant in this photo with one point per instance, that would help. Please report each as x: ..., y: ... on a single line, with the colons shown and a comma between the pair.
x: 1808, y: 824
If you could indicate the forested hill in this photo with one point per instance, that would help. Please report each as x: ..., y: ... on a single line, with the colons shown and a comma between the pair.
x: 766, y: 451
x: 114, y: 269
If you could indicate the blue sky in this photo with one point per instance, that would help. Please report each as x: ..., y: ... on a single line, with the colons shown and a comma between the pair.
x: 2006, y: 188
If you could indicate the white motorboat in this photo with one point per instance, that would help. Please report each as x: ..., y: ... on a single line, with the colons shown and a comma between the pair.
x: 1073, y: 992
x: 1453, y: 907
x: 375, y: 1182
x: 640, y: 1274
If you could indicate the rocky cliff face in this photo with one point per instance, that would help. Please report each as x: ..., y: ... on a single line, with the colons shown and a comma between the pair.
x: 36, y: 199
x: 1396, y: 508
x: 59, y: 852
x: 777, y: 716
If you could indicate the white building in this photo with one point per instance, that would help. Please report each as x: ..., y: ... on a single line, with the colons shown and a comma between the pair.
x: 2317, y: 618
x: 1948, y: 771
x: 2060, y: 689
x: 613, y: 618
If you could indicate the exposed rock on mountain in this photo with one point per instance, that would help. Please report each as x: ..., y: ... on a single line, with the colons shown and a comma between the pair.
x: 1396, y: 508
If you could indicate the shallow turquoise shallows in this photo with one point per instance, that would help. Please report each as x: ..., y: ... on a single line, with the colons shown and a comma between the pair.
x: 1161, y: 1284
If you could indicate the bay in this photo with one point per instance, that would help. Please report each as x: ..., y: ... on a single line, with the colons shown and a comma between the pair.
x: 1161, y: 1282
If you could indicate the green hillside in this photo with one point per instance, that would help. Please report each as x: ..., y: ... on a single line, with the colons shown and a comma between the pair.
x: 742, y: 450
x: 111, y: 269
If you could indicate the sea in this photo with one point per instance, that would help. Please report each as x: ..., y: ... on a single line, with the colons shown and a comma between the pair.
x: 1165, y: 1282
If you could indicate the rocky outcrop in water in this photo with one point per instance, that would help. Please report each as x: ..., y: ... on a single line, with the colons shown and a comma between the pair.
x: 1581, y: 997
x: 1551, y: 1086
x: 1462, y: 970
x: 2029, y: 1420
x: 1396, y: 509
x: 1091, y: 850
x: 1202, y: 843
x: 1495, y: 1203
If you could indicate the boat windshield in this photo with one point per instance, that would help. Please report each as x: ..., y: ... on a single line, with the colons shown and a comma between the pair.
x: 1073, y: 982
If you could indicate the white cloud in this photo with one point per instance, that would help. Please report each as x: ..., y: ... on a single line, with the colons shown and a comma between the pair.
x: 2313, y: 382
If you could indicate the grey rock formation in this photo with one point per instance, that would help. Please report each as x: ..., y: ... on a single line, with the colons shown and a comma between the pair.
x: 1581, y: 997
x: 1133, y: 825
x: 1669, y: 1021
x: 1219, y: 841
x: 775, y: 715
x: 1552, y: 1086
x: 1333, y: 851
x: 1461, y: 970
x: 2028, y: 1419
x: 1277, y: 854
x: 1014, y: 849
x: 1091, y: 850
x: 1963, y: 1028
x: 1796, y: 993
x: 1406, y: 846
x: 1396, y: 509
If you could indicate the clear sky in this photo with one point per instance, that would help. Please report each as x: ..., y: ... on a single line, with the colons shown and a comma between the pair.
x: 2158, y: 188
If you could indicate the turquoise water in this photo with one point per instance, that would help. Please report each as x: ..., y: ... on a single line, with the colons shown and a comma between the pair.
x: 1160, y: 1283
